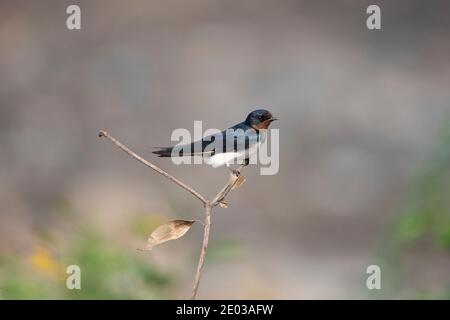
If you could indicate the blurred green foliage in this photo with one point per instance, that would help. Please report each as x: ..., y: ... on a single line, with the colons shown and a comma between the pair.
x: 107, y: 272
x: 224, y: 250
x: 423, y: 220
x: 427, y: 211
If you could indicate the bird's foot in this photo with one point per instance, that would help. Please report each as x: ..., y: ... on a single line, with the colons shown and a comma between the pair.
x: 235, y: 172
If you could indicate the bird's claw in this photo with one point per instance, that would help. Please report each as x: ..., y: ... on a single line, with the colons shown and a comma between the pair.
x: 236, y: 172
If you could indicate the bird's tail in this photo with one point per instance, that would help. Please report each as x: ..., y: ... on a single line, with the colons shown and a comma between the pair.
x: 163, y: 152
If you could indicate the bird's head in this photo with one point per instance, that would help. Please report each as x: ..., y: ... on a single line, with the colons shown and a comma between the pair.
x: 259, y: 119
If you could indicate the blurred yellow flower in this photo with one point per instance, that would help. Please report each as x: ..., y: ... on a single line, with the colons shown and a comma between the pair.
x: 42, y: 260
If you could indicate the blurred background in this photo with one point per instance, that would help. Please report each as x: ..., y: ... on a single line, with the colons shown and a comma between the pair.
x: 364, y: 156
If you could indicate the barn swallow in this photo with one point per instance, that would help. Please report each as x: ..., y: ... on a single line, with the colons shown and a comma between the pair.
x: 234, y: 145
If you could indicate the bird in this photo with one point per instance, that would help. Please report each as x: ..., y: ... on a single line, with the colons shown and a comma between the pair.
x: 234, y: 145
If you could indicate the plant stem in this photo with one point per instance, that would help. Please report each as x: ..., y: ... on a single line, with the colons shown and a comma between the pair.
x: 201, y: 261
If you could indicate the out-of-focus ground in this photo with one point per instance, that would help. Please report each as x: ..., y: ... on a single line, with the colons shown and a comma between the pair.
x: 364, y: 154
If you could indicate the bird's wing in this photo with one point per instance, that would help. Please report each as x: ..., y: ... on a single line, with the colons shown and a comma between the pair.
x: 234, y: 139
x: 237, y: 139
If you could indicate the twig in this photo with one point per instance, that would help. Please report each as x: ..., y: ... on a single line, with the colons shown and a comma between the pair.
x: 207, y: 226
x: 201, y: 260
x: 151, y: 165
x: 209, y: 205
x: 225, y: 190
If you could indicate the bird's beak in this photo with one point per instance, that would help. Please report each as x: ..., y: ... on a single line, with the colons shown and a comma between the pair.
x: 273, y: 119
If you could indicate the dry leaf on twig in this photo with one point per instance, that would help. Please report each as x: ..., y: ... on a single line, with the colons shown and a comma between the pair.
x: 239, y: 182
x: 223, y: 204
x: 170, y: 230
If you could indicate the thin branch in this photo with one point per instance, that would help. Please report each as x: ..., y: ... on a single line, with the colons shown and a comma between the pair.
x: 201, y: 260
x: 105, y: 134
x: 209, y: 205
x: 225, y: 190
x: 207, y: 225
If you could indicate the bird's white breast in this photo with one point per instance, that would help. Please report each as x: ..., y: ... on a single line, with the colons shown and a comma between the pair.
x: 238, y: 157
